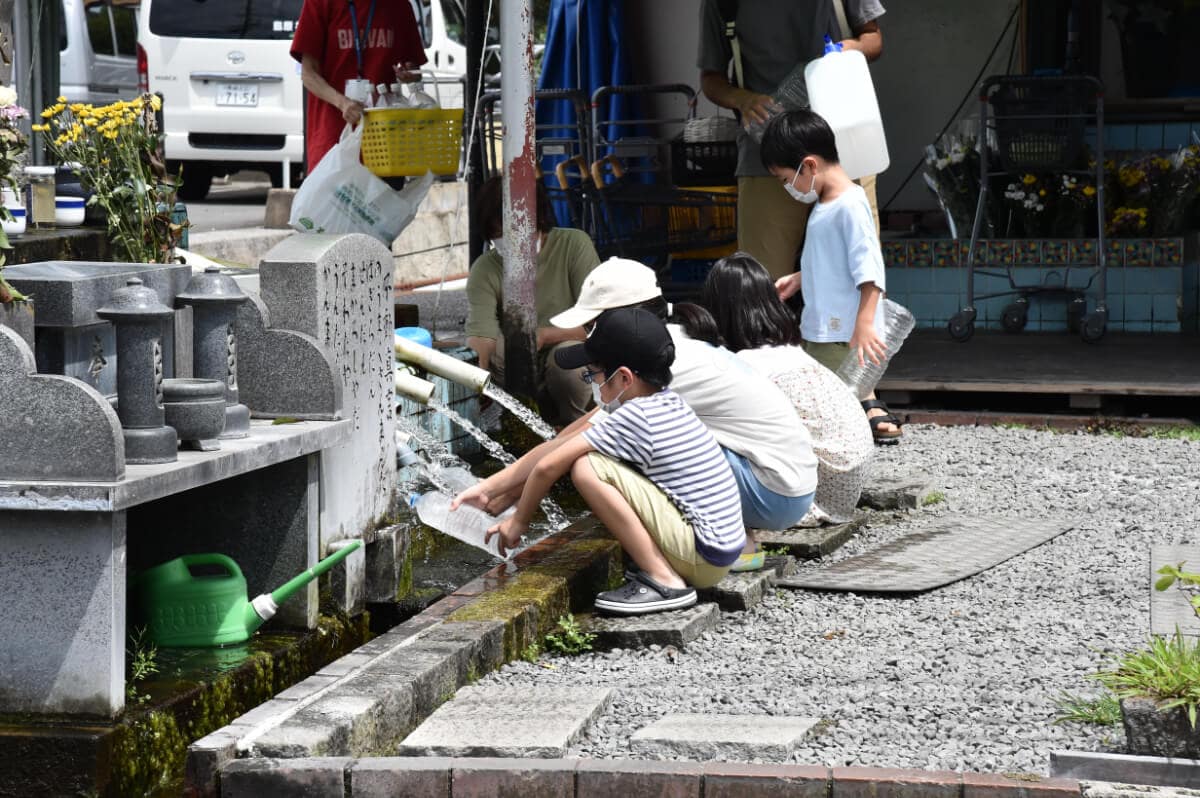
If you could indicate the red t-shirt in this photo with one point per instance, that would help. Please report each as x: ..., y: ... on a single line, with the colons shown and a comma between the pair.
x: 325, y: 32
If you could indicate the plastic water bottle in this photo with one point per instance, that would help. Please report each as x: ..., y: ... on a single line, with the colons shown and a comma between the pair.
x: 862, y: 379
x: 791, y: 95
x: 417, y: 97
x: 459, y: 479
x: 383, y: 98
x: 398, y: 98
x: 468, y: 524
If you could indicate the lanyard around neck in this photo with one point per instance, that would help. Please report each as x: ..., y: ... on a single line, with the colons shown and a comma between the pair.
x: 359, y: 43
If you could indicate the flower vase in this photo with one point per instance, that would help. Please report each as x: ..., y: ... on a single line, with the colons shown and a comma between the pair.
x: 16, y: 209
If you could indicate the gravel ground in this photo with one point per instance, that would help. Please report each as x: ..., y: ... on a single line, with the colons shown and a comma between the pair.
x: 964, y: 677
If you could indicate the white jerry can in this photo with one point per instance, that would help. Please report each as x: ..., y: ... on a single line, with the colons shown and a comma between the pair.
x: 840, y: 89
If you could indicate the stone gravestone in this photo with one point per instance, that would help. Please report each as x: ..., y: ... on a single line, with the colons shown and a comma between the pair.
x: 338, y: 289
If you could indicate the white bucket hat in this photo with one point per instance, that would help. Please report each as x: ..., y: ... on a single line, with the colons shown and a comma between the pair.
x: 615, y: 283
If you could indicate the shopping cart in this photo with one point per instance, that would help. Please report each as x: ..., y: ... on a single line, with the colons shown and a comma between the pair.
x: 1038, y: 125
x: 636, y: 211
x: 555, y: 144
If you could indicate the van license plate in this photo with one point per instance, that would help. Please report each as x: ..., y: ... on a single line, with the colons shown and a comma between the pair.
x: 237, y: 94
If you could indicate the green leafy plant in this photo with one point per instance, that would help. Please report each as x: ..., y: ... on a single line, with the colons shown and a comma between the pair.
x: 934, y: 497
x: 1187, y: 583
x: 571, y: 639
x: 1103, y: 710
x: 1176, y: 433
x: 774, y: 551
x: 531, y: 652
x: 1166, y: 670
x: 143, y: 663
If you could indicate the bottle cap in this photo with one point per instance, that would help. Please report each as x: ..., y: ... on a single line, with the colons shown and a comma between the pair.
x: 831, y: 46
x: 412, y: 499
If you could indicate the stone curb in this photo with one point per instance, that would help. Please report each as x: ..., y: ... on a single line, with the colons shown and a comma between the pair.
x: 970, y: 418
x: 365, y: 703
x: 417, y: 777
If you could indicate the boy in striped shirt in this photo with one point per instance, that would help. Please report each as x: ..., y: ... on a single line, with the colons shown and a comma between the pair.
x: 650, y: 471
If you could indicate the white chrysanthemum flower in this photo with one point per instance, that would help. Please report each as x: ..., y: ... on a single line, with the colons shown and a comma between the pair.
x: 8, y: 96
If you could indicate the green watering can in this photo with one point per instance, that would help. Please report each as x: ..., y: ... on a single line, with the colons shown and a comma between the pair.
x: 185, y: 609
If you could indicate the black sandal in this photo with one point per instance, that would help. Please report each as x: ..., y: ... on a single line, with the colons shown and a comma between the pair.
x: 882, y: 436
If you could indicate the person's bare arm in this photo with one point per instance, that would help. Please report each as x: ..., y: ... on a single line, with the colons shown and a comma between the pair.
x: 484, y: 347
x: 868, y: 40
x: 553, y: 336
x: 310, y: 76
x: 753, y: 107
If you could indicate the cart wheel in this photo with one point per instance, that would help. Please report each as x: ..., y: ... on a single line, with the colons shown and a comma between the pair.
x: 1015, y: 317
x: 1076, y: 310
x: 961, y: 327
x: 1093, y: 327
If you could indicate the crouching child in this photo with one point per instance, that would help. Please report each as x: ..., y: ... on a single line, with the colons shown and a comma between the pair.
x: 650, y: 471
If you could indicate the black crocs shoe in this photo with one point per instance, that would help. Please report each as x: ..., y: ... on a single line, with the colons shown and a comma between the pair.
x: 641, y: 595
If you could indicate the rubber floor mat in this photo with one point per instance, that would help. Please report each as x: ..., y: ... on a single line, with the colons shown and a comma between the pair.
x: 1170, y: 608
x: 953, y: 548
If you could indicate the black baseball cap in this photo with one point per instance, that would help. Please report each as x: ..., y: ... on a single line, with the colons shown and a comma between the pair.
x: 630, y: 337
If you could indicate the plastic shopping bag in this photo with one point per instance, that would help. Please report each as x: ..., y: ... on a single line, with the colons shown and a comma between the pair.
x: 343, y: 196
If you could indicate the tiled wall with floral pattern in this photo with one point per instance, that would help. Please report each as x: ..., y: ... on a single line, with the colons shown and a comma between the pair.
x: 1151, y: 284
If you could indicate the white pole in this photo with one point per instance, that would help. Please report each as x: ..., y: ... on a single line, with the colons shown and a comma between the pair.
x: 520, y: 195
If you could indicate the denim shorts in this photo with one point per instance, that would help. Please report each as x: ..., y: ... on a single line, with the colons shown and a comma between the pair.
x: 763, y: 508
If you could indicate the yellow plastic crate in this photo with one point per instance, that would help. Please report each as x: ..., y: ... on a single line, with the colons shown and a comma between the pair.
x: 405, y: 142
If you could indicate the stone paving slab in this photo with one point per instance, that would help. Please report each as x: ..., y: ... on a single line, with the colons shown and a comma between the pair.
x: 738, y: 592
x: 1170, y: 608
x: 677, y: 628
x: 895, y: 492
x: 1126, y: 768
x: 952, y: 548
x: 737, y: 737
x: 1108, y: 789
x: 506, y: 721
x: 809, y: 543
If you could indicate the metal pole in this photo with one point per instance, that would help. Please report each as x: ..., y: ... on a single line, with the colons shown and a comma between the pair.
x: 476, y: 33
x: 519, y: 319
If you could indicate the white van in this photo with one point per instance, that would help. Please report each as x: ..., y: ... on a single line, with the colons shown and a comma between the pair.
x: 443, y: 31
x: 232, y: 96
x: 98, y: 50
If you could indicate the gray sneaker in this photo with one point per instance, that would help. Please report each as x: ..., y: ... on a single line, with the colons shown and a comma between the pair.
x: 641, y: 595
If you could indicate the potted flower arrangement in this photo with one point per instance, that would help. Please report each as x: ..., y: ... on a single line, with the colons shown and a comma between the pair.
x: 15, y: 310
x: 116, y: 152
x: 1153, y: 194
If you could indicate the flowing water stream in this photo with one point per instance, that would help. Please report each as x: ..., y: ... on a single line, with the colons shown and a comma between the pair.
x: 514, y: 406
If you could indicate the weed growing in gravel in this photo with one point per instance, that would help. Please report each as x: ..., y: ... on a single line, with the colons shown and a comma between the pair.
x: 571, y: 639
x: 1166, y: 670
x: 774, y: 551
x: 934, y: 497
x: 1105, y: 710
x: 1013, y: 425
x: 531, y: 652
x: 1176, y: 433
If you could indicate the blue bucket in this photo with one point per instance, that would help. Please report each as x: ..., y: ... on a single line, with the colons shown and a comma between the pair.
x: 418, y: 335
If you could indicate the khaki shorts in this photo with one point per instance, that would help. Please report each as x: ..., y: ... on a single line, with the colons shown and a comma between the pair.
x: 828, y: 354
x: 662, y: 520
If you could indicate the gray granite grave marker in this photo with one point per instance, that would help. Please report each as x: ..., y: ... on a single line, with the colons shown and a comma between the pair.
x: 338, y: 289
x: 56, y: 428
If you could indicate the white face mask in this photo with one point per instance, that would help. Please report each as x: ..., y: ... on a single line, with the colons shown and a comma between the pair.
x: 607, y: 407
x: 501, y: 246
x: 807, y: 197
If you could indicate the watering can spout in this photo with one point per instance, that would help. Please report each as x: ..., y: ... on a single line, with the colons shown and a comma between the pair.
x: 264, y: 607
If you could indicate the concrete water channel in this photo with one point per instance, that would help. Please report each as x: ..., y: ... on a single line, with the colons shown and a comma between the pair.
x: 89, y: 704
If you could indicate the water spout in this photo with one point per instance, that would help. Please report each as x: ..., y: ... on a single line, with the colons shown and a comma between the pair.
x: 413, y: 387
x: 441, y: 364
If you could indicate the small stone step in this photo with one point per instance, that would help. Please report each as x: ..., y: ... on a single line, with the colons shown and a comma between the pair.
x: 728, y: 737
x: 539, y: 722
x: 738, y: 592
x: 896, y: 492
x: 809, y: 543
x: 676, y: 628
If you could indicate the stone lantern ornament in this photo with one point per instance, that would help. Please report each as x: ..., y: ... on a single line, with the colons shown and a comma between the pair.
x: 140, y: 319
x: 214, y: 298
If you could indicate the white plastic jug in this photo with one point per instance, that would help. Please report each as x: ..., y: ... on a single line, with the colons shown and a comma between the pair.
x: 840, y: 90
